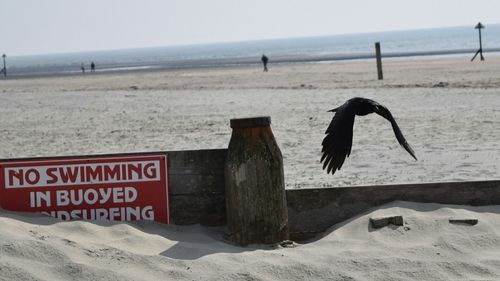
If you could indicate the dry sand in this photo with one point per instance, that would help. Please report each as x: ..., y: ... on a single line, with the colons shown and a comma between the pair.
x: 427, y: 247
x: 448, y: 109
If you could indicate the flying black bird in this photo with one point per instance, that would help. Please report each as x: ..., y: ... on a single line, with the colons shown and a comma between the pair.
x: 338, y: 141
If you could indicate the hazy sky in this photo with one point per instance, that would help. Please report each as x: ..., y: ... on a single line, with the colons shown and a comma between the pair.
x: 54, y: 26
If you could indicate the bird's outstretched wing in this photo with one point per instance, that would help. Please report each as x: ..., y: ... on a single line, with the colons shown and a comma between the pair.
x: 384, y: 112
x: 338, y: 141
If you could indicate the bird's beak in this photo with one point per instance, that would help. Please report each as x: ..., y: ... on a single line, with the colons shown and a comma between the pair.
x: 333, y: 110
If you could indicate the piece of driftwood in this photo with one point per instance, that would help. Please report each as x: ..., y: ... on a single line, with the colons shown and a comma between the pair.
x: 381, y: 222
x: 464, y: 221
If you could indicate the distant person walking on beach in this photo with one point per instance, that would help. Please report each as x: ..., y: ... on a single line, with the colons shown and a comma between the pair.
x: 264, y: 61
x: 92, y: 67
x: 82, y: 68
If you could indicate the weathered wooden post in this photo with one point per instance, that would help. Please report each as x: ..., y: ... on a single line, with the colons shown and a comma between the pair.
x: 379, y: 61
x: 255, y: 187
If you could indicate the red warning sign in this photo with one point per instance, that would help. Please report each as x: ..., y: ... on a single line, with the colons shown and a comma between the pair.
x: 113, y: 188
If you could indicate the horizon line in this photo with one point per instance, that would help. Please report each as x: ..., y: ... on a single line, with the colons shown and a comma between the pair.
x: 234, y: 42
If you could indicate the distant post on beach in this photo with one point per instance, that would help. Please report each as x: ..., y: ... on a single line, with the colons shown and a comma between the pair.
x: 479, y: 26
x: 4, y: 69
x: 378, y: 54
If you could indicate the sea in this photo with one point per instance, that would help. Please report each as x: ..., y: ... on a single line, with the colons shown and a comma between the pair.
x: 405, y: 43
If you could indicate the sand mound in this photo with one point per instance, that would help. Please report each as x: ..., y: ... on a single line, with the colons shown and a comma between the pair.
x: 427, y: 247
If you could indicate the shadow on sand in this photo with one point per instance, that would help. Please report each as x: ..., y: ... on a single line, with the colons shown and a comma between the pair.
x: 188, y: 242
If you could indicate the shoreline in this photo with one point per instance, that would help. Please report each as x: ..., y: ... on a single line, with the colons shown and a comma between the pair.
x: 198, y: 64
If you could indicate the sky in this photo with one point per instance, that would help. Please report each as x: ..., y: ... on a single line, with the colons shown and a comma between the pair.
x: 60, y: 26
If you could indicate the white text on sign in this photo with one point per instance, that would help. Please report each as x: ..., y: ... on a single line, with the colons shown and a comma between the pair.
x: 80, y: 174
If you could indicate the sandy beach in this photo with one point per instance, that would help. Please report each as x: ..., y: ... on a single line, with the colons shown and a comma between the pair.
x: 428, y: 247
x: 448, y: 109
